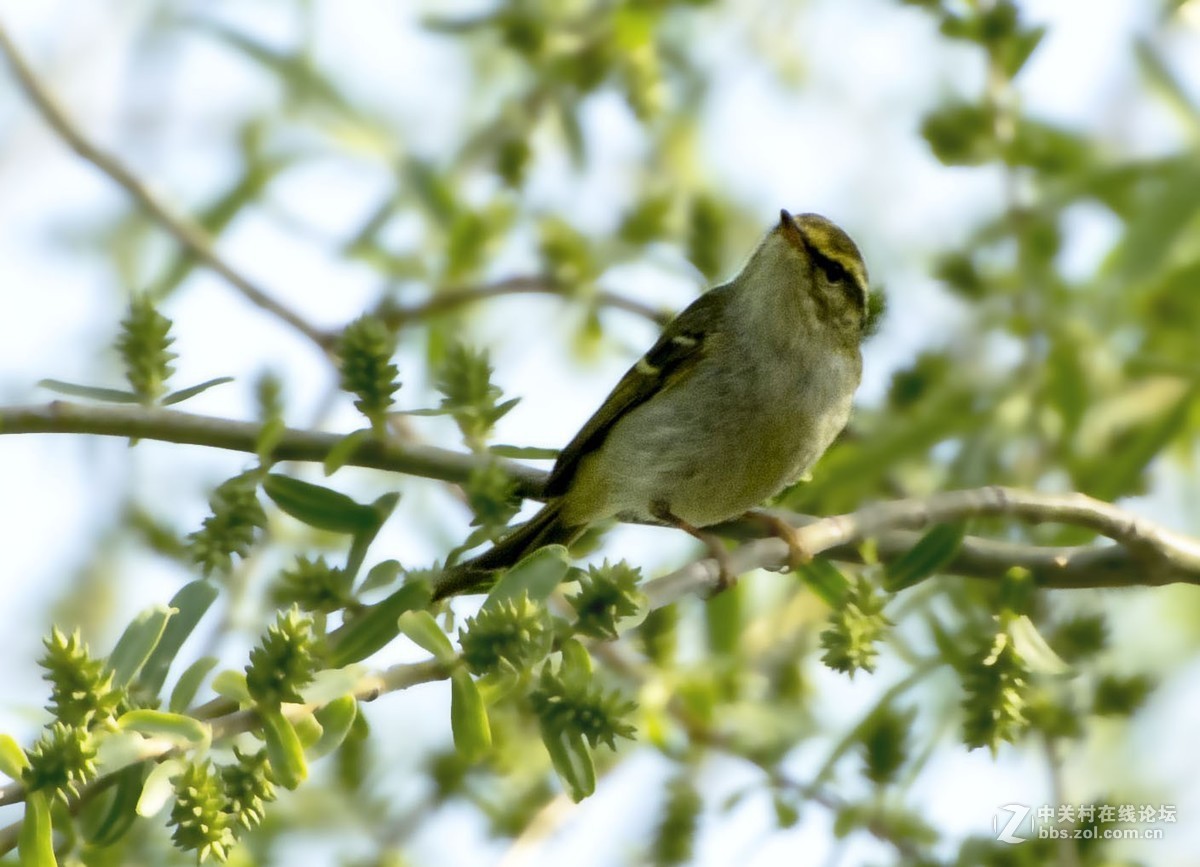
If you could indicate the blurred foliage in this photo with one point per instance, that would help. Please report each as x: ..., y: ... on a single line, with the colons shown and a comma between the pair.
x: 1053, y: 379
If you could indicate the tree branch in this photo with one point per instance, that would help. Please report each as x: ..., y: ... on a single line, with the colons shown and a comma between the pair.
x: 295, y: 445
x: 188, y: 234
x: 1146, y: 554
x: 445, y: 300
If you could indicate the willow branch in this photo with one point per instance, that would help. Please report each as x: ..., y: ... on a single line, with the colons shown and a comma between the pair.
x: 188, y: 234
x: 445, y: 300
x: 1145, y: 553
x: 294, y: 445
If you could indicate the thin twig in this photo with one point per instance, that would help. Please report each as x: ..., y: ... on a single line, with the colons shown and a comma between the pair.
x: 1146, y: 554
x: 187, y: 233
x: 445, y: 300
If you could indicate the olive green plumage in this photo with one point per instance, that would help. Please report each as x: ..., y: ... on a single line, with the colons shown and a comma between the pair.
x: 737, y: 399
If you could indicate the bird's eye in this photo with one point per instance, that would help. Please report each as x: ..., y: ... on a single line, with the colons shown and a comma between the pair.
x: 834, y: 272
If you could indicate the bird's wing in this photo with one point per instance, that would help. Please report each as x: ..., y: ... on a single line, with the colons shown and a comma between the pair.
x: 685, y: 340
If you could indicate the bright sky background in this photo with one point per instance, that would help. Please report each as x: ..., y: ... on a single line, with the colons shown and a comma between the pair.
x: 846, y: 146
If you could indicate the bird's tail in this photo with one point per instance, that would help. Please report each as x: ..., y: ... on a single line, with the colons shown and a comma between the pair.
x: 544, y: 528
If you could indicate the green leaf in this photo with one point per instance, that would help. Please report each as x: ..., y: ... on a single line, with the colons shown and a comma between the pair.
x: 270, y: 435
x: 378, y: 625
x: 382, y: 509
x: 536, y: 575
x: 95, y: 392
x: 284, y: 749
x: 185, y: 393
x: 381, y: 575
x: 117, y: 750
x: 1119, y: 473
x: 137, y: 642
x: 931, y: 553
x: 190, y: 604
x: 184, y: 731
x: 308, y: 730
x: 826, y: 581
x: 122, y: 810
x: 330, y: 684
x: 12, y: 758
x: 1037, y: 655
x: 344, y: 449
x: 158, y: 789
x: 424, y: 631
x: 36, y: 841
x: 572, y: 762
x: 189, y: 684
x: 1164, y: 82
x: 336, y: 719
x: 231, y: 684
x: 318, y: 506
x: 468, y: 717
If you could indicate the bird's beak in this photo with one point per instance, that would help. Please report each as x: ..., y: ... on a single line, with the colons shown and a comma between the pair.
x: 785, y: 219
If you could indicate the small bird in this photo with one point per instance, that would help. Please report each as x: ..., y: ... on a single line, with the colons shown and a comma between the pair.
x: 739, y: 397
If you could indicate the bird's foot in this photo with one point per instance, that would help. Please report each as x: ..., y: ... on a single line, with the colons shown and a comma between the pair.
x: 726, y: 577
x: 798, y: 553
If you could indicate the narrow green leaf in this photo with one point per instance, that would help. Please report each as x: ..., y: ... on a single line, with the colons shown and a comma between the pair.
x: 575, y: 656
x: 373, y: 629
x: 826, y: 581
x: 468, y: 717
x: 12, y: 758
x: 137, y: 642
x: 381, y: 575
x: 423, y: 629
x: 382, y: 509
x: 231, y: 684
x: 1164, y: 82
x: 1033, y: 649
x: 185, y: 731
x: 308, y: 730
x: 284, y: 749
x: 190, y: 604
x: 122, y: 809
x: 527, y: 453
x: 330, y: 684
x: 189, y: 684
x: 572, y: 762
x: 536, y: 575
x: 158, y: 789
x: 336, y: 719
x: 117, y: 750
x: 270, y: 435
x: 344, y: 449
x: 185, y: 393
x: 1120, y: 473
x: 931, y: 553
x: 95, y: 392
x: 318, y: 506
x: 36, y: 841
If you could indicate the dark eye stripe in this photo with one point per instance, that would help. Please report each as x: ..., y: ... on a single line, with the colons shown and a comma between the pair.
x: 836, y: 272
